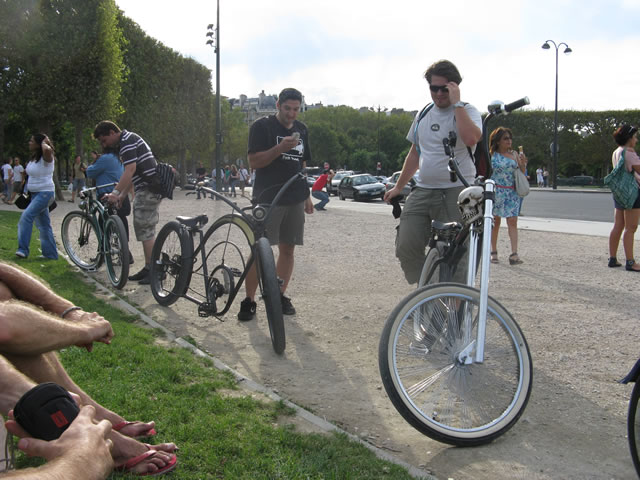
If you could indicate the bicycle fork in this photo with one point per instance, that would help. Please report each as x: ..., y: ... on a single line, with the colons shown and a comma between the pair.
x: 474, y: 351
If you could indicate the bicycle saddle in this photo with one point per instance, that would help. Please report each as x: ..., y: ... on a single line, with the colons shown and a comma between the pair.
x: 443, y: 227
x: 193, y: 222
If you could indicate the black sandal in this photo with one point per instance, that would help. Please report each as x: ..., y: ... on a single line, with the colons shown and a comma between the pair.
x: 494, y: 257
x: 514, y: 259
x: 613, y: 262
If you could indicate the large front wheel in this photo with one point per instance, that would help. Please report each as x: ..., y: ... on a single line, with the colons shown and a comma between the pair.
x: 424, y: 359
x: 116, y: 251
x: 171, y: 263
x: 271, y: 293
x: 81, y: 240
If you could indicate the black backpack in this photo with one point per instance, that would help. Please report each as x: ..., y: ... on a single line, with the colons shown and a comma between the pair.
x: 480, y: 158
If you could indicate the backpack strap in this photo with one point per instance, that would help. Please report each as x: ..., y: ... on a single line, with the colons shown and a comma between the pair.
x: 422, y: 114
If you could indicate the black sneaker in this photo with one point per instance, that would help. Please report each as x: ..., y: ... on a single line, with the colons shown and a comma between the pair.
x: 247, y: 310
x: 140, y: 275
x: 287, y: 307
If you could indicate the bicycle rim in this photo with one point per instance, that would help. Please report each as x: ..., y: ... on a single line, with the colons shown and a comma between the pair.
x: 431, y: 388
x: 81, y: 240
x: 271, y: 294
x: 634, y: 426
x: 116, y: 251
x: 171, y: 261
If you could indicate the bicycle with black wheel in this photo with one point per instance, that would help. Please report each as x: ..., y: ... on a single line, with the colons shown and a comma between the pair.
x: 453, y: 360
x: 95, y: 234
x: 633, y: 418
x: 221, y: 260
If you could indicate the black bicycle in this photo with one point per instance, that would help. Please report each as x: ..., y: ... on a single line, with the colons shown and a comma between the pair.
x: 453, y: 360
x: 222, y: 260
x: 96, y: 234
x: 633, y: 419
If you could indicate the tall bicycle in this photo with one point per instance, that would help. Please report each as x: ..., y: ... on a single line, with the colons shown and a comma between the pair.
x: 222, y: 259
x: 633, y: 418
x: 95, y: 234
x: 453, y: 360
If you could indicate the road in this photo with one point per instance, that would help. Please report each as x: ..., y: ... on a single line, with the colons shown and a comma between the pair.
x: 564, y: 204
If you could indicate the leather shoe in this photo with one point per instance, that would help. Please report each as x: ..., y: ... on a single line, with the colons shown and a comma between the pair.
x: 140, y: 275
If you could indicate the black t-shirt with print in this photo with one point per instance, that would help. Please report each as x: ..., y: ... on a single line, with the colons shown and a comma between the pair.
x: 266, y: 133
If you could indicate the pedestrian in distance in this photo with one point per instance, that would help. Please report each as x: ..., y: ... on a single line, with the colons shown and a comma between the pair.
x: 504, y: 162
x: 18, y: 179
x: 317, y: 190
x: 435, y: 196
x: 279, y: 149
x: 79, y: 169
x: 625, y: 220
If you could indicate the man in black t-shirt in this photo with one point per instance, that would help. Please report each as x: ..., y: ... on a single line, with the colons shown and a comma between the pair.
x: 278, y: 149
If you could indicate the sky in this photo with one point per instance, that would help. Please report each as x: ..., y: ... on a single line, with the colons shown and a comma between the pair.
x: 374, y: 53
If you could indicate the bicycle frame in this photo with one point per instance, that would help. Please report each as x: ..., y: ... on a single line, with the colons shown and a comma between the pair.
x: 95, y: 209
x: 253, y: 227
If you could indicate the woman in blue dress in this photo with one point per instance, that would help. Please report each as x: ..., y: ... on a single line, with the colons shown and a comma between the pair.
x: 505, y: 161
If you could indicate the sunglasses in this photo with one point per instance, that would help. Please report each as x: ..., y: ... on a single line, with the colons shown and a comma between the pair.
x: 438, y: 88
x: 506, y: 137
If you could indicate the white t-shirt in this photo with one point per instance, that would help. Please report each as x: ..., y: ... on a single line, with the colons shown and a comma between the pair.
x: 432, y: 129
x: 40, y: 176
x: 6, y: 168
x: 17, y: 173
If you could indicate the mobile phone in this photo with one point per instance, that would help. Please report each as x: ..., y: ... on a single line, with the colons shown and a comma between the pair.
x: 520, y: 149
x: 296, y: 135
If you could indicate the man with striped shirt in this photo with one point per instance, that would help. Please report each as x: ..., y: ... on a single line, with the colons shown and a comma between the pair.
x: 139, y: 163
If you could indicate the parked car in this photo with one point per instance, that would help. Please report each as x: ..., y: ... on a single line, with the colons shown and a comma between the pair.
x: 332, y: 188
x: 577, y: 180
x: 393, y: 179
x: 360, y: 187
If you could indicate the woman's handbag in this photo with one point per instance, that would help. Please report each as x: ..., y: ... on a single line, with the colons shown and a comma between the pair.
x: 23, y: 200
x: 522, y: 183
x: 622, y: 184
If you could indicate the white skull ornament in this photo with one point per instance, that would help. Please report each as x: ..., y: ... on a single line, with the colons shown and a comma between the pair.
x: 470, y: 204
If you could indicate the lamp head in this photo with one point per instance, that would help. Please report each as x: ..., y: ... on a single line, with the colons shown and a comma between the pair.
x: 210, y: 42
x: 209, y: 34
x: 546, y: 46
x: 567, y: 50
x: 210, y: 26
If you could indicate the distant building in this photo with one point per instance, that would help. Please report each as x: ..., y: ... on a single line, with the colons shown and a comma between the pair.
x: 257, y: 107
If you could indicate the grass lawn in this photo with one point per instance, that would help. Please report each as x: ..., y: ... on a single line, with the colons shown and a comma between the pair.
x: 222, y: 432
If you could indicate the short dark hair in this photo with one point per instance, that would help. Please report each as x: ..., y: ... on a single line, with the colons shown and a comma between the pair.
x: 624, y: 133
x: 104, y: 127
x: 443, y: 68
x: 289, y: 94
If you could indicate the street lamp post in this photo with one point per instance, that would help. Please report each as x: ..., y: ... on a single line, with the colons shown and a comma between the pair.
x: 380, y: 109
x: 216, y: 45
x: 554, y: 166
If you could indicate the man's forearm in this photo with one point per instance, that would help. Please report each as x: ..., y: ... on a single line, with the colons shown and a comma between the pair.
x: 58, y: 469
x: 264, y: 158
x: 37, y: 332
x: 13, y: 385
x: 409, y: 168
x: 25, y: 287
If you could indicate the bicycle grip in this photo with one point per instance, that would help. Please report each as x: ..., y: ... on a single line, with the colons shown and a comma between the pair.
x: 510, y: 107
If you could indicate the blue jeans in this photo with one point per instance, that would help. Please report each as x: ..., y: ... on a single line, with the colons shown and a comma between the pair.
x: 322, y: 196
x: 38, y: 212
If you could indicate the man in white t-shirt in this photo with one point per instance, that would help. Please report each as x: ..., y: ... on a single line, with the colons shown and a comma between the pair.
x: 18, y: 178
x: 435, y: 196
x: 244, y: 179
x: 7, y: 179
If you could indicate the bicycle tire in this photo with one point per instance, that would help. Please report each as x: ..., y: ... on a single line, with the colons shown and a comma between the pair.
x: 171, y: 264
x: 271, y: 294
x: 81, y: 240
x: 442, y: 272
x: 633, y: 426
x: 454, y: 403
x: 116, y: 251
x: 227, y: 245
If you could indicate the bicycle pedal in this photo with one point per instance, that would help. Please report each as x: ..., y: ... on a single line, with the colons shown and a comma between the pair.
x: 207, y: 309
x: 235, y: 272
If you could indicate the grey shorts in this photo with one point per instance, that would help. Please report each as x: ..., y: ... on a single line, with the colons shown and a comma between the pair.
x: 146, y: 206
x: 78, y: 184
x: 286, y: 225
x: 17, y: 187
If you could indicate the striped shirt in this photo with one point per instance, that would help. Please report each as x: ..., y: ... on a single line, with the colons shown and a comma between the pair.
x: 134, y: 149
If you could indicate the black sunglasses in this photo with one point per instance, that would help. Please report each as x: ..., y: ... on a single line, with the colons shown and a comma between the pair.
x: 436, y: 88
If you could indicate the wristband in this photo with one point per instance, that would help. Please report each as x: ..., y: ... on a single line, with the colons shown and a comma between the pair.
x: 115, y: 191
x: 70, y: 309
